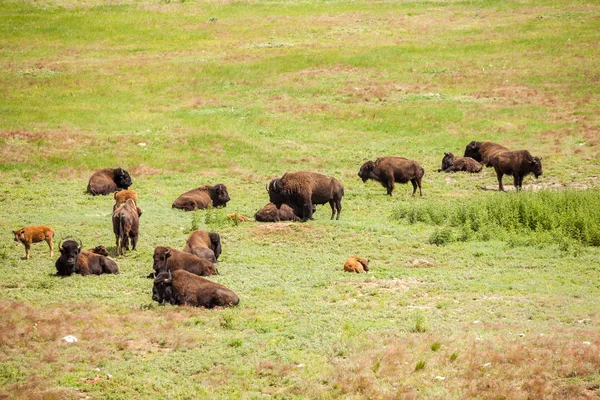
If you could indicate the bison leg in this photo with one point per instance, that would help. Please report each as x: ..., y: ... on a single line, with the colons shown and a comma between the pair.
x: 332, y: 204
x: 307, y: 211
x: 338, y: 204
x: 27, y: 250
x: 414, y: 183
x: 390, y: 187
x: 133, y: 241
x: 51, y: 245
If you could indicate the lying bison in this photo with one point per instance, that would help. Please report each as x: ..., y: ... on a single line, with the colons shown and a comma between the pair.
x: 126, y: 224
x: 203, y: 197
x: 183, y: 288
x: 74, y: 261
x: 484, y: 152
x: 168, y: 259
x: 108, y: 180
x: 519, y: 164
x: 204, y: 244
x: 34, y: 234
x: 356, y: 264
x: 450, y: 163
x: 387, y: 170
x: 302, y: 190
x: 270, y: 213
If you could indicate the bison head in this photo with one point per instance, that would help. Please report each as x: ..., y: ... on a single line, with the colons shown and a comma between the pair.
x: 19, y: 235
x: 447, y: 161
x: 122, y: 178
x: 472, y: 150
x: 101, y: 250
x: 366, y: 170
x: 364, y: 262
x: 161, y: 254
x: 162, y: 291
x: 215, y: 240
x: 220, y: 197
x: 67, y: 262
x: 536, y: 166
x: 276, y: 195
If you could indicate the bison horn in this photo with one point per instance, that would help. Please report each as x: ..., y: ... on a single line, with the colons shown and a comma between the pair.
x: 170, y: 278
x: 80, y: 245
x: 267, y: 187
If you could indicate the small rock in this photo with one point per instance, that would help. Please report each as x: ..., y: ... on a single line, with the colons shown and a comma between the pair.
x: 587, y: 343
x: 300, y: 366
x: 487, y: 365
x: 69, y: 339
x: 478, y: 339
x: 521, y: 334
x: 440, y: 378
x: 476, y: 322
x: 142, y: 144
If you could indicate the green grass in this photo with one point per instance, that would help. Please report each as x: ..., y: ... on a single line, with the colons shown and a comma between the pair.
x: 497, y: 293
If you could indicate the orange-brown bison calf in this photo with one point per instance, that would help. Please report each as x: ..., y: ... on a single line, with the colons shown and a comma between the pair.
x: 123, y: 195
x: 303, y: 189
x: 126, y: 225
x: 168, y: 259
x: 356, y: 264
x: 108, y: 180
x: 203, y: 197
x: 451, y: 163
x: 387, y: 170
x: 34, y: 234
x: 203, y: 244
x: 183, y: 288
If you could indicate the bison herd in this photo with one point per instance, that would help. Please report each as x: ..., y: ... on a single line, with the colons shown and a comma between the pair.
x: 178, y: 274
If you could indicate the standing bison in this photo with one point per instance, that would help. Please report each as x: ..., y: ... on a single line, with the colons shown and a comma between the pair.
x: 203, y: 197
x: 204, y: 244
x: 387, y: 170
x: 74, y: 261
x: 34, y: 234
x: 519, y: 164
x: 108, y: 180
x: 168, y: 259
x: 126, y: 224
x: 450, y: 163
x: 182, y: 288
x: 484, y: 152
x: 301, y: 190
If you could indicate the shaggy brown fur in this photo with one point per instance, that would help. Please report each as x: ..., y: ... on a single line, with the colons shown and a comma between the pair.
x: 204, y: 244
x: 387, y: 170
x: 34, y: 234
x: 302, y: 190
x: 182, y: 288
x: 101, y: 250
x: 203, y: 197
x: 519, y: 164
x: 169, y: 259
x: 123, y: 195
x: 108, y: 180
x: 74, y: 261
x: 484, y: 152
x: 450, y: 163
x: 270, y: 213
x: 356, y: 264
x: 126, y: 223
x: 235, y: 217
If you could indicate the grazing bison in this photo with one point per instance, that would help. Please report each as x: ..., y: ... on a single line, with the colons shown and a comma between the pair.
x: 387, y: 170
x: 270, y: 213
x: 356, y: 264
x: 302, y: 190
x: 202, y: 197
x: 34, y: 234
x: 108, y: 180
x: 74, y: 261
x: 519, y: 164
x: 450, y: 163
x: 204, y: 244
x: 484, y: 152
x: 126, y: 224
x: 166, y: 258
x: 182, y: 288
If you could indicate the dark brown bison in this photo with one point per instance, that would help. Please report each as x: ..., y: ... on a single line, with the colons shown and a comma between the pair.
x: 126, y: 224
x: 270, y: 213
x: 356, y: 264
x: 108, y: 180
x: 387, y: 170
x: 519, y: 164
x: 450, y: 163
x: 101, y: 250
x: 484, y: 152
x: 204, y: 244
x: 74, y: 261
x: 203, y: 197
x: 166, y: 258
x: 302, y: 190
x: 182, y: 288
x: 34, y: 234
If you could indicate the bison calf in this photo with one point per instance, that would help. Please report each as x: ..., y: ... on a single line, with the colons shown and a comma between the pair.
x: 519, y: 164
x: 74, y: 261
x: 302, y: 190
x: 126, y: 224
x: 183, y: 288
x: 166, y: 258
x: 204, y: 244
x: 203, y: 197
x: 108, y: 180
x: 387, y: 170
x: 123, y: 195
x: 270, y: 213
x: 34, y: 234
x: 450, y: 163
x: 356, y: 264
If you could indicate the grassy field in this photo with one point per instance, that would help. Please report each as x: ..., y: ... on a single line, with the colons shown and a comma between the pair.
x: 472, y: 293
